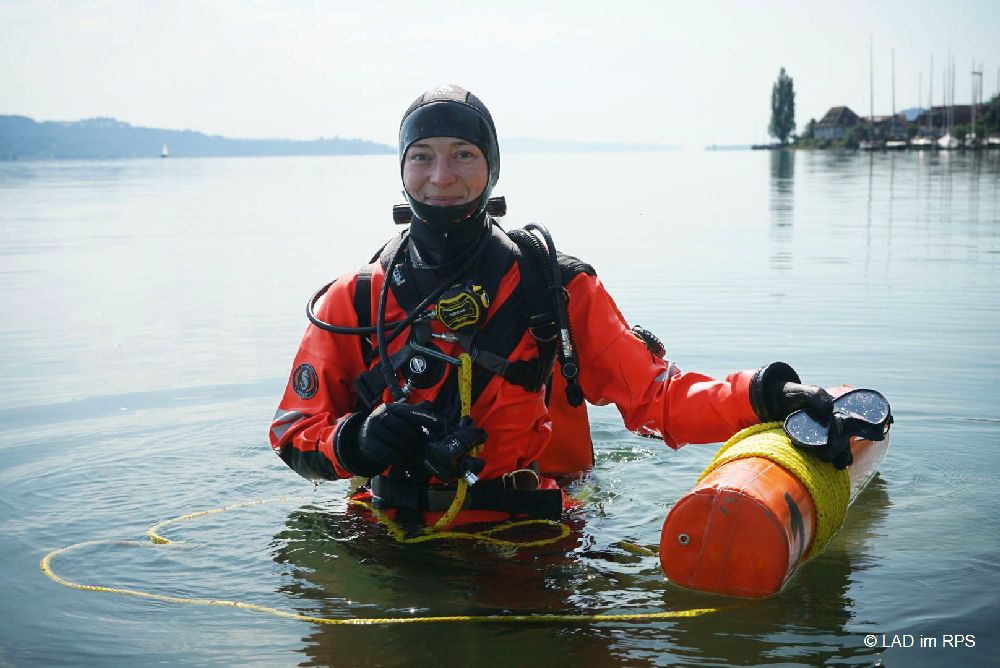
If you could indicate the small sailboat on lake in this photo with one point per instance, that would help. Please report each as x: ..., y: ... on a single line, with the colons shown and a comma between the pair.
x: 947, y: 141
x: 897, y: 136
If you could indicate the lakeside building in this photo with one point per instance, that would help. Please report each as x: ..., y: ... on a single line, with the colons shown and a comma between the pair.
x: 961, y: 114
x: 886, y: 126
x: 835, y: 123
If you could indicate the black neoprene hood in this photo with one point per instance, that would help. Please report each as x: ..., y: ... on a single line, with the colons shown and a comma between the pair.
x: 451, y: 111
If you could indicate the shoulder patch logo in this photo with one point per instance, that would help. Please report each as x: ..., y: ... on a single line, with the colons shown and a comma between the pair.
x: 304, y: 381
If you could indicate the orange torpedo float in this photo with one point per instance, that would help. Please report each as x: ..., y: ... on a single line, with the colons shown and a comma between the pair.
x: 764, y: 506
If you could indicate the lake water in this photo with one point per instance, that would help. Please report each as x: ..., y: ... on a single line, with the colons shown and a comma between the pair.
x: 151, y: 310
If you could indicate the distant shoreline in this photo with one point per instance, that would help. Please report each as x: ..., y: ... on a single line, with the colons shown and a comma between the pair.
x: 23, y: 138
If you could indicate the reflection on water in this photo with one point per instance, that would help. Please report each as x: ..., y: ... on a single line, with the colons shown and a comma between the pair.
x: 782, y: 205
x: 345, y: 566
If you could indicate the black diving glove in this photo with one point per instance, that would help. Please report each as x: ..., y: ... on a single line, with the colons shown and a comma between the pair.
x: 776, y: 391
x: 392, y: 435
x: 812, y: 398
x: 447, y: 457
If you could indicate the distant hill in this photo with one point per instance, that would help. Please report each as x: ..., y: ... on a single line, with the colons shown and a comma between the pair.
x: 525, y: 145
x: 22, y: 138
x: 912, y: 113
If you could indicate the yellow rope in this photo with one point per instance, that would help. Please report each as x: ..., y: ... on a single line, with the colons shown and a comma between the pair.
x: 635, y: 548
x: 156, y: 539
x: 829, y: 488
x: 465, y: 394
x: 483, y: 536
x: 465, y: 383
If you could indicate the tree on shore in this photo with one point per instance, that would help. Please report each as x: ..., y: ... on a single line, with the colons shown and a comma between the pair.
x: 782, y: 108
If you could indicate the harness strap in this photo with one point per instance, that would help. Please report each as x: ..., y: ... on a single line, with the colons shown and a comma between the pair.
x: 529, y: 374
x: 526, y: 309
x: 370, y: 384
x: 525, y: 373
x: 363, y: 307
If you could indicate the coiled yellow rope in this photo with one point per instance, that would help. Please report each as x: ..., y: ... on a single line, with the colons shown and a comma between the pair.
x: 483, y: 536
x: 829, y: 488
x: 156, y: 539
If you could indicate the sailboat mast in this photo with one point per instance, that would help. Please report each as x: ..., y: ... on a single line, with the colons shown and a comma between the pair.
x: 977, y: 92
x: 974, y: 99
x: 947, y: 109
x: 920, y: 98
x: 930, y: 101
x: 871, y: 88
x: 893, y: 124
x: 951, y: 94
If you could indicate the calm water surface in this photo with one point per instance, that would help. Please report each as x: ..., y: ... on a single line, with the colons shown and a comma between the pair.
x: 151, y: 310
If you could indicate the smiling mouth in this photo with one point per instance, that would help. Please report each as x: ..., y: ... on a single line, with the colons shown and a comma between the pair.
x: 443, y: 200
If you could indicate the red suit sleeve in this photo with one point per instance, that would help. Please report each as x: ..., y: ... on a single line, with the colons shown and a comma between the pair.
x: 318, y: 397
x: 651, y: 394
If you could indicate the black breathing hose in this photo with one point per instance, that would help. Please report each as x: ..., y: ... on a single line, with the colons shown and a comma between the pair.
x: 569, y: 366
x: 388, y: 373
x: 336, y: 329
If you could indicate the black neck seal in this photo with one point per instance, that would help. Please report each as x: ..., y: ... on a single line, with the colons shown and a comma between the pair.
x: 443, y: 249
x: 451, y: 111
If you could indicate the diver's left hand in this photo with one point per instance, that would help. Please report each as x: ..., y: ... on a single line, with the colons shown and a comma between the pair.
x: 776, y: 391
x: 816, y: 401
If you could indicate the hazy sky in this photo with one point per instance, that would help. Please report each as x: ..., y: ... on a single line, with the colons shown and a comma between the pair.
x: 689, y: 73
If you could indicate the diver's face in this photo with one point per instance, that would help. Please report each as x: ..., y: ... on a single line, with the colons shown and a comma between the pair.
x: 444, y: 171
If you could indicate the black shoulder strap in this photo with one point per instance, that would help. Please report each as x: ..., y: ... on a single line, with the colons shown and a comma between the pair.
x: 385, y: 253
x: 363, y: 294
x: 363, y: 307
x: 400, y: 277
x: 535, y: 283
x: 570, y: 266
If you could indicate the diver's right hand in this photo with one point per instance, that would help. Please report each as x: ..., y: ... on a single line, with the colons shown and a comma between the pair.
x: 393, y: 435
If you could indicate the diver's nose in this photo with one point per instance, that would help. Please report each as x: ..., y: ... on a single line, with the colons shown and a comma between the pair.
x: 442, y: 173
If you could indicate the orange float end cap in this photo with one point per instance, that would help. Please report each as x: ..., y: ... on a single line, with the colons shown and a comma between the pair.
x: 741, y: 531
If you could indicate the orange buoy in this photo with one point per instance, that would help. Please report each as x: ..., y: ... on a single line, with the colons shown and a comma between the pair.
x: 746, y: 526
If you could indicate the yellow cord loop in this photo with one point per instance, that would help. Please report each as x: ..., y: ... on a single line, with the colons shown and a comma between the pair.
x: 156, y: 539
x: 829, y: 488
x: 465, y: 394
